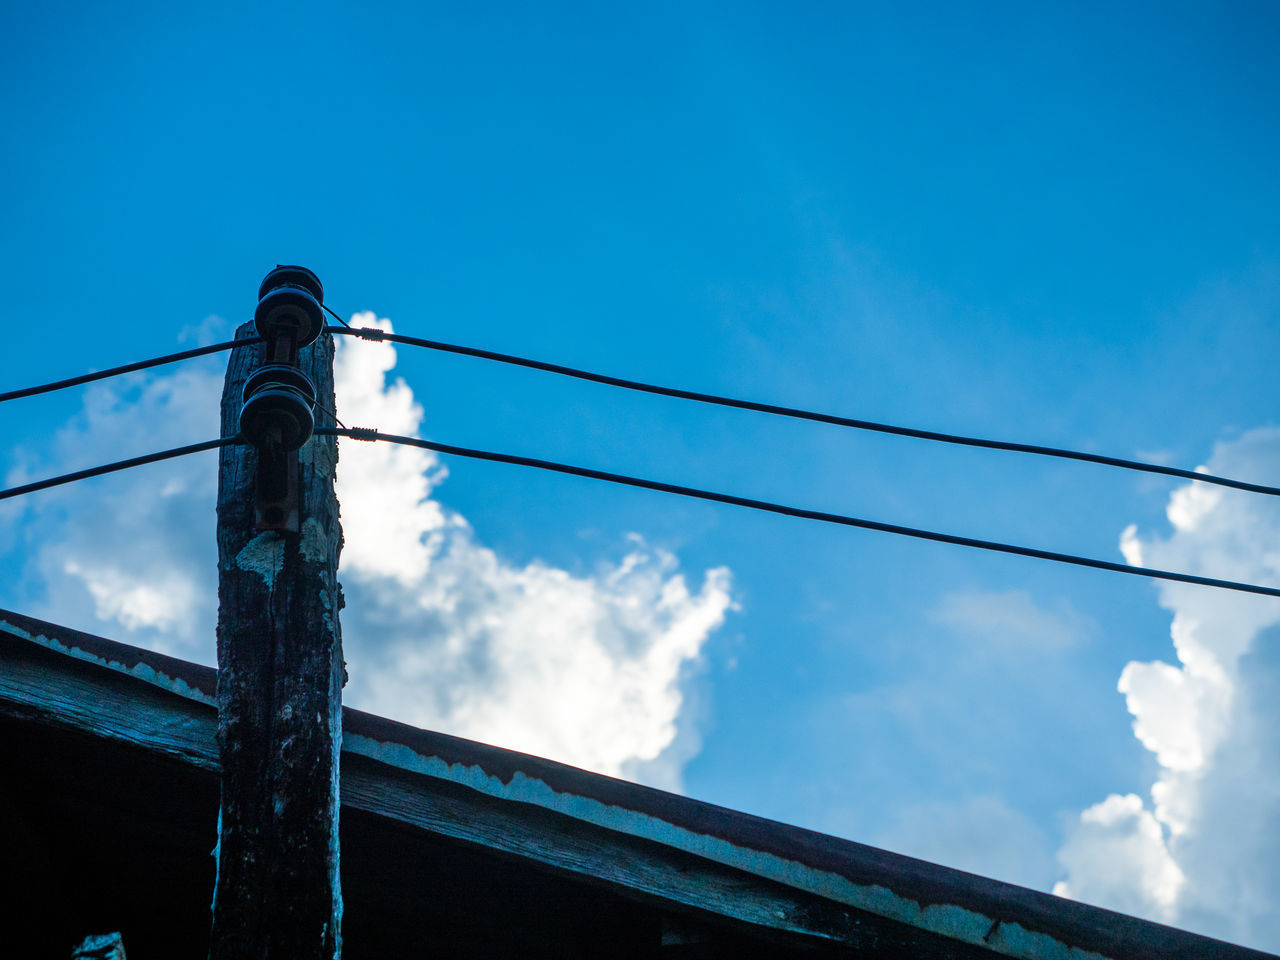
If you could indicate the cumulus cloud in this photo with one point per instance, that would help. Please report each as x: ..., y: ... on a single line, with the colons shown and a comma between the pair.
x: 445, y: 634
x: 130, y: 554
x: 1203, y: 853
x: 440, y: 631
x: 1117, y: 853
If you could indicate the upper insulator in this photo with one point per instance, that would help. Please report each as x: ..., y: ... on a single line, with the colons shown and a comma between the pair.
x: 289, y: 298
x: 292, y: 275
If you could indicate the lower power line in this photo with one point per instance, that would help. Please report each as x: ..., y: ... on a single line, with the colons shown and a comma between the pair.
x: 127, y: 368
x: 361, y: 433
x: 118, y: 465
x: 1111, y: 566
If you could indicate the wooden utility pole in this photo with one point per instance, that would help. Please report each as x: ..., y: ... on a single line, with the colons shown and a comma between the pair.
x: 280, y: 667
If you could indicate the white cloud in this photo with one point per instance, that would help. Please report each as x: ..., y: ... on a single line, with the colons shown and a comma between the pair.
x: 1190, y: 504
x: 1202, y: 855
x: 391, y: 525
x: 1119, y: 847
x: 1174, y: 712
x: 440, y: 631
x: 131, y: 551
x: 443, y: 633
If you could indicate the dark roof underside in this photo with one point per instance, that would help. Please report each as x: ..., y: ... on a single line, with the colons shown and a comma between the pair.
x: 108, y: 817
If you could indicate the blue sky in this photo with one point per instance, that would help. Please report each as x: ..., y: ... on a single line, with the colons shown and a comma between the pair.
x: 1055, y: 224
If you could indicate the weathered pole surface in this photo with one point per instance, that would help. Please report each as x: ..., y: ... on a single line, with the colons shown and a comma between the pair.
x: 280, y: 676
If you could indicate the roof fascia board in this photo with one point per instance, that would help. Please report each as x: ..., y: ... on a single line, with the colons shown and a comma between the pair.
x: 178, y: 718
x: 39, y: 683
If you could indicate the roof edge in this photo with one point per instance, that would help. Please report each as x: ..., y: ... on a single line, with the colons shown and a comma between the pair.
x: 1013, y: 921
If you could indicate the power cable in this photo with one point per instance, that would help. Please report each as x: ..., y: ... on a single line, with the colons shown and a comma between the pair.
x: 372, y: 435
x: 371, y: 333
x: 361, y: 433
x: 118, y: 465
x: 127, y: 368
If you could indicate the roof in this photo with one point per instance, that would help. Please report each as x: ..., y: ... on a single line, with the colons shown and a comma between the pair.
x: 694, y: 873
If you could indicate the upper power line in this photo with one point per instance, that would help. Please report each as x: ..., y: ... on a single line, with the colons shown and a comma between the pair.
x: 372, y: 333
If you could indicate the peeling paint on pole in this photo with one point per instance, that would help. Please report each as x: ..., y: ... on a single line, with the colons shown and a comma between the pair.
x: 314, y: 545
x: 263, y: 555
